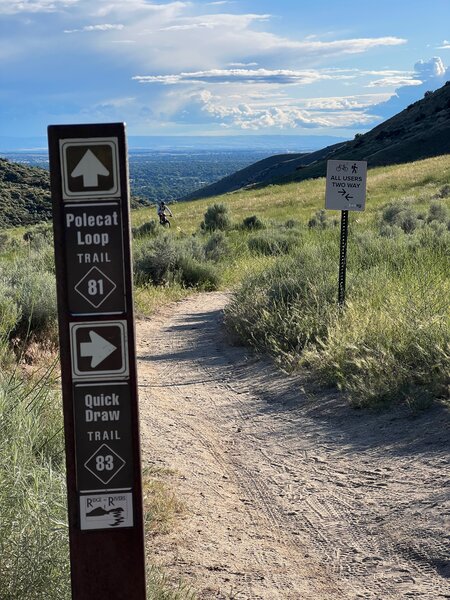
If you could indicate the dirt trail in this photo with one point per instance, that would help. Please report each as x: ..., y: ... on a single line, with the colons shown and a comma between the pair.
x: 287, y: 497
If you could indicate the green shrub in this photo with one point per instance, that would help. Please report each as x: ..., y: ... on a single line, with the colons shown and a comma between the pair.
x: 216, y: 218
x: 40, y: 235
x: 322, y: 220
x: 148, y: 228
x: 165, y: 259
x: 288, y: 306
x: 253, y: 223
x: 402, y: 215
x: 216, y: 247
x: 193, y: 273
x: 271, y: 243
x: 155, y: 260
x: 438, y: 212
x: 33, y: 290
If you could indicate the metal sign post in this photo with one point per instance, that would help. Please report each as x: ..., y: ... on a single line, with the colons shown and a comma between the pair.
x: 345, y: 190
x: 343, y: 257
x: 89, y: 181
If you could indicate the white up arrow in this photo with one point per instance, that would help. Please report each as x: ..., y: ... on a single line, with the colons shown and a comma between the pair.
x: 98, y: 348
x: 90, y: 168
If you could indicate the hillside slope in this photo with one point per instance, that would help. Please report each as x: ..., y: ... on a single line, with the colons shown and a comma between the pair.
x: 420, y: 131
x: 25, y: 194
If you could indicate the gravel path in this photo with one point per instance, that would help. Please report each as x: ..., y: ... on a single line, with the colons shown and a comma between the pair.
x: 287, y: 496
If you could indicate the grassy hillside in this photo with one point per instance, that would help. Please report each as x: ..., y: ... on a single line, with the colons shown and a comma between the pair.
x: 391, y: 343
x: 25, y: 193
x: 421, y: 130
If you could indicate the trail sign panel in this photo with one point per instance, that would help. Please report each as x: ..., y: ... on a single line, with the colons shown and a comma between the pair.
x: 103, y: 436
x: 103, y: 511
x: 91, y: 225
x: 99, y: 350
x: 346, y: 185
x: 90, y: 168
x: 94, y: 250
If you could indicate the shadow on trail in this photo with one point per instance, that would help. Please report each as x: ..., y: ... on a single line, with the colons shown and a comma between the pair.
x: 395, y: 431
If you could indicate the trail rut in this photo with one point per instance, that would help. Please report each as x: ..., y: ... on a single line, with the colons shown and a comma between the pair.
x: 287, y: 496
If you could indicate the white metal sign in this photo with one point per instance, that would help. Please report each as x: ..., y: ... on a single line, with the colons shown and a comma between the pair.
x: 89, y: 168
x: 104, y: 511
x: 346, y: 185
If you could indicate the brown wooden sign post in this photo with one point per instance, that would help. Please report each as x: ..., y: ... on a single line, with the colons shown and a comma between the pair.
x: 89, y: 181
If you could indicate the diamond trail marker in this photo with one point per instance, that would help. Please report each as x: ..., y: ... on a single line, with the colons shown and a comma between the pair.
x: 91, y: 223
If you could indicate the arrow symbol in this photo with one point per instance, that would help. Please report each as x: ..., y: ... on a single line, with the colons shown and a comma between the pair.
x: 90, y: 168
x: 98, y: 348
x: 345, y: 194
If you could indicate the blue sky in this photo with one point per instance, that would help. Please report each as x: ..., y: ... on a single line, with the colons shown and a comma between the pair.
x: 218, y: 67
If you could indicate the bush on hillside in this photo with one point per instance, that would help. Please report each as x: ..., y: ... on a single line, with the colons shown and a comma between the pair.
x: 216, y: 218
x: 438, y: 212
x: 165, y: 259
x: 271, y: 243
x: 402, y: 215
x: 287, y: 306
x: 201, y: 275
x: 27, y: 285
x: 322, y: 220
x: 216, y: 247
x: 147, y: 228
x: 253, y: 223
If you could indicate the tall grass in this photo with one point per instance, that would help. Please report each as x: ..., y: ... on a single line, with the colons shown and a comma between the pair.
x: 33, y: 531
x: 390, y: 343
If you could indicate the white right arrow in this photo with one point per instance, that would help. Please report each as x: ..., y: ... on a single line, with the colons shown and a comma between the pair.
x: 90, y: 168
x: 98, y: 348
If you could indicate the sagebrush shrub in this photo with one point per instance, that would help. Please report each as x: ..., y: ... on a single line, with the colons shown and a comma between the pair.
x: 253, y: 223
x: 216, y: 247
x: 271, y: 243
x: 147, y: 228
x: 216, y: 218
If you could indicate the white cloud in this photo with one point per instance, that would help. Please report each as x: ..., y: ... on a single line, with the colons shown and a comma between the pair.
x: 445, y: 45
x: 430, y: 68
x: 394, y: 82
x: 275, y: 76
x: 11, y: 7
x: 346, y: 102
x: 204, y: 107
x: 103, y: 27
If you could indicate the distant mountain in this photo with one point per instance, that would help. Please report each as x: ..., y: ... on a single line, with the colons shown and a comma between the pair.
x: 420, y: 131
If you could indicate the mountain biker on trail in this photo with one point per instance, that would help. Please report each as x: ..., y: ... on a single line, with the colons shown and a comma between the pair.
x: 161, y: 209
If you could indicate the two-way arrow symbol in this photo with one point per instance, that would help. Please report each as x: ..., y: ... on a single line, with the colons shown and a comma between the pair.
x: 346, y: 195
x: 98, y: 348
x: 90, y: 168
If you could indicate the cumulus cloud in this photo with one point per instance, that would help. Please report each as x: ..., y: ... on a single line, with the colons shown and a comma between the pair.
x: 204, y: 107
x: 428, y: 75
x: 445, y: 45
x: 429, y: 69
